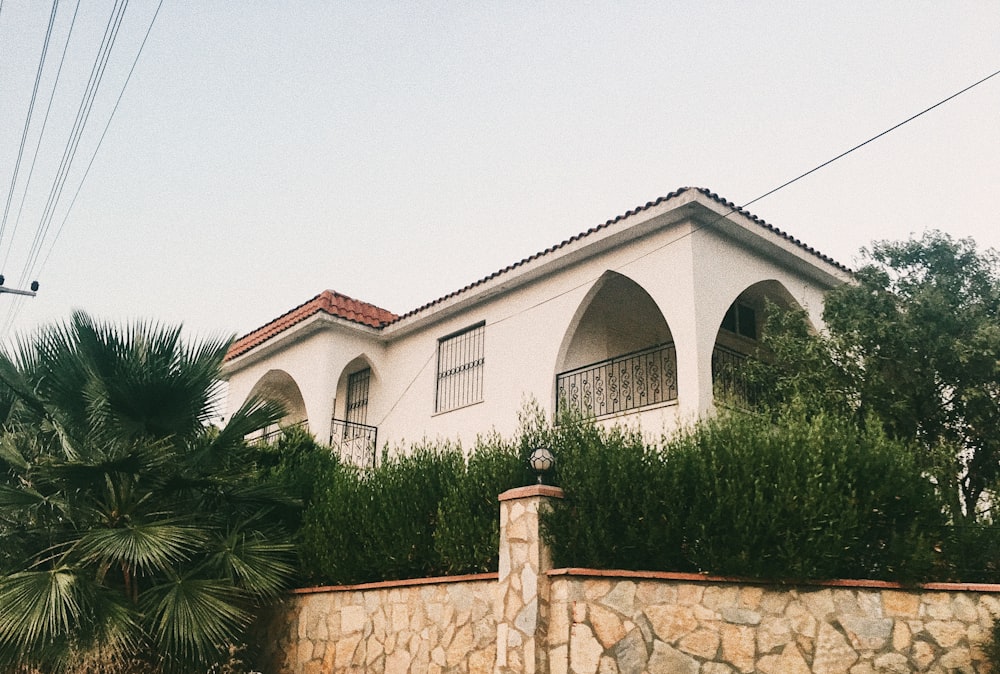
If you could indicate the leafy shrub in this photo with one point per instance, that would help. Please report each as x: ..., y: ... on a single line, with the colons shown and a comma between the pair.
x: 379, y: 525
x: 467, y: 537
x: 402, y: 512
x: 425, y: 514
x: 613, y: 513
x: 810, y: 496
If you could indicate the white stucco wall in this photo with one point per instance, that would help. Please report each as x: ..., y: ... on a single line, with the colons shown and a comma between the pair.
x: 692, y: 266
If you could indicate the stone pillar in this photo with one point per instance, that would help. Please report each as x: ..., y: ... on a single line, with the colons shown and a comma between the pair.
x: 523, y: 588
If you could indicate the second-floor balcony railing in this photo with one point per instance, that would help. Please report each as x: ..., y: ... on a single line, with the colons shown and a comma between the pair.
x: 619, y: 384
x: 354, y: 443
x: 728, y: 377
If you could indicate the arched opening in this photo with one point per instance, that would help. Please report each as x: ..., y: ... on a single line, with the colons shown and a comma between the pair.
x: 739, y: 338
x: 618, y: 353
x: 278, y: 386
x: 352, y: 436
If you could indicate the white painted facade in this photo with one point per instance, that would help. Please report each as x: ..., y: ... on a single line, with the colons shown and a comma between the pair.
x: 665, y: 273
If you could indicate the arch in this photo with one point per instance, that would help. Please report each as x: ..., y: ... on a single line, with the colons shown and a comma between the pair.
x: 617, y: 353
x: 278, y: 386
x: 739, y: 334
x: 357, y: 365
x: 353, y: 437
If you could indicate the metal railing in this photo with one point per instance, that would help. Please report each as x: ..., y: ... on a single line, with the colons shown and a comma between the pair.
x: 354, y: 443
x: 271, y: 433
x: 728, y: 380
x: 619, y: 384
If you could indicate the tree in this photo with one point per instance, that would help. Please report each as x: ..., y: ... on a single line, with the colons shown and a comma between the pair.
x: 132, y: 533
x: 913, y: 344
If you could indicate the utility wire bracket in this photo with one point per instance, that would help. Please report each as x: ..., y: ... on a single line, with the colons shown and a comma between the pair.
x: 16, y: 291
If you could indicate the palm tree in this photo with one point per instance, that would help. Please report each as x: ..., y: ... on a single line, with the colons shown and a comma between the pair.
x: 132, y: 533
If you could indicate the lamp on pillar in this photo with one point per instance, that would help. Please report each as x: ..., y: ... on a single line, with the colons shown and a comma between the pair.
x: 541, y: 461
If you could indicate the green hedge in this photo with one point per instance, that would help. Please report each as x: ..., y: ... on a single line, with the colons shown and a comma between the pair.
x: 428, y: 513
x: 808, y: 497
x: 785, y: 496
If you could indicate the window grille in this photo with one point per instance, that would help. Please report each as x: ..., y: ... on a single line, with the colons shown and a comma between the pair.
x: 357, y: 396
x: 460, y: 369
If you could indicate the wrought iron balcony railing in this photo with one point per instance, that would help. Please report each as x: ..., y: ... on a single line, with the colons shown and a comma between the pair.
x: 619, y: 384
x: 354, y: 443
x: 272, y: 433
x: 728, y: 379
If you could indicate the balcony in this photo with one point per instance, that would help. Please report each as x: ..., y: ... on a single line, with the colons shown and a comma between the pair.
x: 619, y: 384
x: 354, y: 443
x: 728, y: 379
x: 271, y: 433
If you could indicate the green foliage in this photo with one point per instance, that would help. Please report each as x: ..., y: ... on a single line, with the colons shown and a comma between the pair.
x: 922, y: 328
x: 467, y: 537
x: 297, y: 466
x: 614, y: 515
x: 811, y: 496
x: 915, y: 344
x: 424, y: 514
x: 142, y: 537
x: 808, y: 496
x: 379, y: 524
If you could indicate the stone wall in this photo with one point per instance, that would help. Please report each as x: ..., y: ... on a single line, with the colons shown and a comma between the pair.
x: 530, y: 619
x: 656, y: 622
x: 442, y: 625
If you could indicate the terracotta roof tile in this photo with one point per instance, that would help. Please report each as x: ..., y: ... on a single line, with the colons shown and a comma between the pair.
x: 329, y: 302
x: 339, y: 305
x: 638, y: 209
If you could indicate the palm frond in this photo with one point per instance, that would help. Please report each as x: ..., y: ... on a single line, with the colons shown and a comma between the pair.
x: 40, y: 610
x: 253, y: 415
x: 261, y: 565
x: 10, y: 454
x: 194, y: 619
x: 20, y: 497
x: 144, y: 547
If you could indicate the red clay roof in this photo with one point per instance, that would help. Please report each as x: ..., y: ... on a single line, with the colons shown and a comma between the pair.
x: 339, y: 305
x: 329, y: 302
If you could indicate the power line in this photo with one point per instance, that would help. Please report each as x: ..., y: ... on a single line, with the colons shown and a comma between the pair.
x: 41, y: 134
x: 690, y: 232
x: 27, y: 118
x: 99, y: 142
x: 76, y: 134
x: 30, y: 266
x: 873, y: 138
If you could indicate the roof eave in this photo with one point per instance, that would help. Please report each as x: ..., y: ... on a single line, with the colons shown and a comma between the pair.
x: 319, y: 321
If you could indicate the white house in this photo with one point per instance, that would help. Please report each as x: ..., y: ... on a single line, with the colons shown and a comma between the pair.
x: 632, y: 320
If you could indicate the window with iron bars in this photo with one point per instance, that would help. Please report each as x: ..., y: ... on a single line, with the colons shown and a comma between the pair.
x: 460, y: 369
x: 357, y: 396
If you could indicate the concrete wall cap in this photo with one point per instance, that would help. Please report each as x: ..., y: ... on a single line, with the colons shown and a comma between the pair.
x: 532, y: 490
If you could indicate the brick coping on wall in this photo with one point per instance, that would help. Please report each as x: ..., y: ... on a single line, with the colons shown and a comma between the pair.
x: 705, y: 578
x: 531, y: 490
x: 658, y: 575
x: 391, y: 584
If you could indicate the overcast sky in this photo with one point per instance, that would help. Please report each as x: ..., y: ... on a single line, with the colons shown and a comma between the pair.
x: 265, y: 151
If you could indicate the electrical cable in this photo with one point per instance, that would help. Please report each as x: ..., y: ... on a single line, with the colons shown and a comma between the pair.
x: 135, y: 61
x: 41, y: 134
x: 873, y: 138
x: 100, y: 140
x: 69, y: 154
x: 72, y: 143
x: 27, y: 119
x: 693, y: 230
